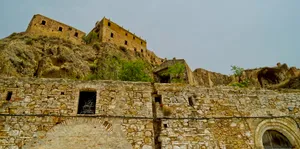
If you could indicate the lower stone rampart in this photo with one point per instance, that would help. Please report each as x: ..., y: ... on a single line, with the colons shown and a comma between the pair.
x: 43, y: 113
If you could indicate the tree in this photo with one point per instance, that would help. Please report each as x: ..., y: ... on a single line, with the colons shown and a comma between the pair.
x: 134, y: 71
x: 176, y: 72
x: 237, y: 71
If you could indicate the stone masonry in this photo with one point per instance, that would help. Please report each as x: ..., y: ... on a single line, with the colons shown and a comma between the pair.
x: 41, y: 25
x: 43, y: 113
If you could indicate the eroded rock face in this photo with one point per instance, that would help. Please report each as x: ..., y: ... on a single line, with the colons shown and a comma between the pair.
x: 208, y: 78
x: 51, y: 57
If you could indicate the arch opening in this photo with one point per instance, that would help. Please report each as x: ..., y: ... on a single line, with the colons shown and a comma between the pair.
x: 273, y: 139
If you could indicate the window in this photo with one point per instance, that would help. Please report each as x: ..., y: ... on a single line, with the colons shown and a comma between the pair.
x: 133, y: 37
x: 87, y: 102
x: 108, y: 23
x: 191, y: 101
x: 60, y: 29
x: 125, y: 34
x: 142, y: 50
x: 9, y: 94
x: 125, y: 42
x: 112, y: 35
x: 158, y: 99
x: 70, y: 28
x: 43, y: 22
x: 76, y: 34
x: 141, y: 42
x: 134, y: 49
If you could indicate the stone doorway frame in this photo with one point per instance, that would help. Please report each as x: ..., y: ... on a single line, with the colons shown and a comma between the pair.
x: 286, y: 126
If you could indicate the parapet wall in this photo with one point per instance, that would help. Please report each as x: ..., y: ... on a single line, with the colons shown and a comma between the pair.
x: 43, y: 113
x: 41, y: 25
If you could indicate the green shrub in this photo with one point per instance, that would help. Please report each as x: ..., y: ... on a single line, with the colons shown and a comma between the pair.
x: 241, y: 84
x: 92, y: 36
x: 96, y: 46
x: 134, y: 71
x: 29, y: 42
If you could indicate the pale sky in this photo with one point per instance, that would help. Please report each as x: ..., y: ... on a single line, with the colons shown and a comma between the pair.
x: 208, y: 34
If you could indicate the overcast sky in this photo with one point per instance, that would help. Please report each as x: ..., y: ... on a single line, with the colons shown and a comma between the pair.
x: 208, y: 34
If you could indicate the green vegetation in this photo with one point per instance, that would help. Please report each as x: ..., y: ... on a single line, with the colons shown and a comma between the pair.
x: 134, y: 71
x: 29, y: 42
x: 176, y: 72
x: 238, y: 72
x: 90, y: 37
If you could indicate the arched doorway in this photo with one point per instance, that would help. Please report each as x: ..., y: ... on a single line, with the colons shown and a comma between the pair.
x: 273, y: 139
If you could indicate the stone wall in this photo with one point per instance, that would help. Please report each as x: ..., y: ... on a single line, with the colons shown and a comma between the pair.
x: 123, y: 114
x: 225, y: 117
x: 41, y: 25
x: 108, y: 31
x: 42, y: 113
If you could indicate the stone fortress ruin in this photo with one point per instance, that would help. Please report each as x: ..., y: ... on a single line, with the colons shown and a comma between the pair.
x: 41, y: 113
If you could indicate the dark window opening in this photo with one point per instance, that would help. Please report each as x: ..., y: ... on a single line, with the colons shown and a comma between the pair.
x: 166, y: 125
x: 273, y: 139
x: 141, y: 42
x: 134, y: 49
x: 60, y: 29
x: 62, y: 93
x: 43, y: 22
x: 9, y: 94
x: 112, y: 35
x: 162, y: 60
x: 158, y: 99
x: 165, y: 79
x: 133, y: 37
x: 70, y: 28
x: 76, y: 34
x: 191, y: 101
x: 125, y: 34
x: 125, y: 42
x: 108, y: 23
x: 142, y: 50
x: 87, y: 102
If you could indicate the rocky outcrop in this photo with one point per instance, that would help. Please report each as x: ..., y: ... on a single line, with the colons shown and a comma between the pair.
x: 208, y: 78
x: 52, y: 57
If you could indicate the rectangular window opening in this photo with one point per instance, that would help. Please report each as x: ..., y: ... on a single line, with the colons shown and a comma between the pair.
x: 134, y: 49
x: 112, y: 35
x: 87, y: 102
x: 125, y: 42
x: 76, y: 34
x: 108, y: 23
x: 158, y: 99
x: 9, y: 94
x: 43, y: 22
x: 125, y: 34
x: 191, y: 102
x: 142, y: 50
x: 60, y: 29
x: 133, y: 37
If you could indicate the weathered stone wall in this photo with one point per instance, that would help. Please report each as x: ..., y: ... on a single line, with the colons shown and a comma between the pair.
x: 42, y: 113
x: 108, y: 31
x: 225, y: 117
x: 41, y: 25
x: 123, y: 110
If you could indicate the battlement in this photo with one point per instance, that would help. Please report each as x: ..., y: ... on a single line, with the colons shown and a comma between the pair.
x: 42, y: 25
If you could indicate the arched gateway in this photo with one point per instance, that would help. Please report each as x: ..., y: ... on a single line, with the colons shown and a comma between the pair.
x: 273, y: 139
x: 281, y: 133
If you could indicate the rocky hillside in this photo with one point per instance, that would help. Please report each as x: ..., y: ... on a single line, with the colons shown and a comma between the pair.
x: 280, y: 76
x: 27, y: 56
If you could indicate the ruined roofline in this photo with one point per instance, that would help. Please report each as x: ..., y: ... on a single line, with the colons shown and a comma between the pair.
x: 57, y: 22
x: 133, y: 34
